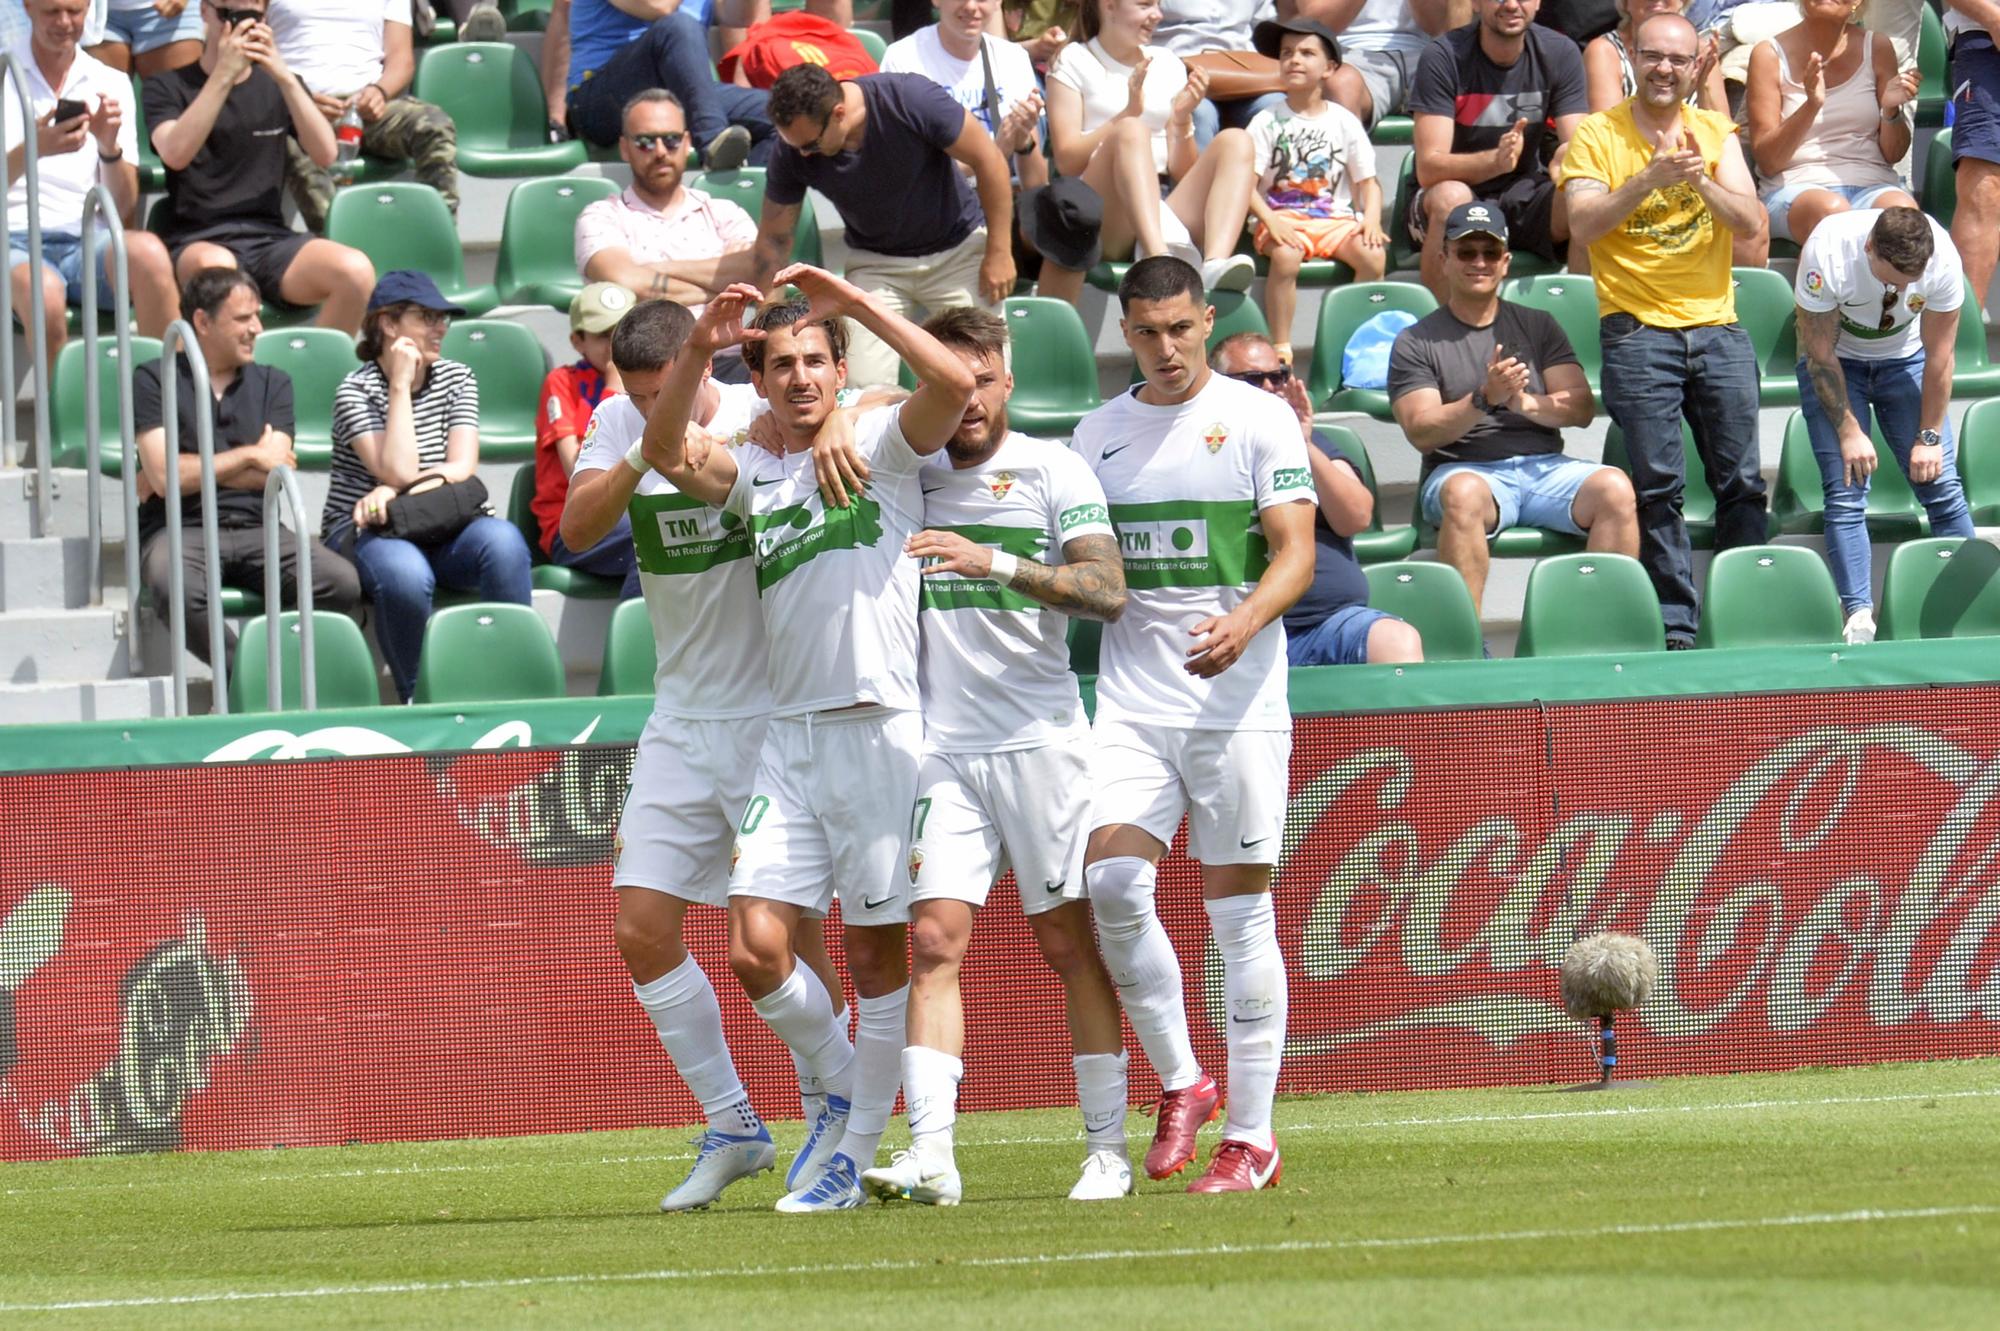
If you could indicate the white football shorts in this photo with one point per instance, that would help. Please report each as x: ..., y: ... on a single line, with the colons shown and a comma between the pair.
x: 690, y: 780
x: 1230, y: 783
x: 978, y: 813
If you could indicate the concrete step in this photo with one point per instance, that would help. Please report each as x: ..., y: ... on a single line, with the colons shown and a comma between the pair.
x: 46, y: 573
x: 39, y: 646
x: 85, y: 700
x: 67, y: 514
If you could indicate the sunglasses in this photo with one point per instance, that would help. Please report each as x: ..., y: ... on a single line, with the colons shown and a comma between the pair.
x: 231, y: 17
x: 1890, y: 295
x: 646, y: 143
x: 809, y: 149
x: 1268, y: 380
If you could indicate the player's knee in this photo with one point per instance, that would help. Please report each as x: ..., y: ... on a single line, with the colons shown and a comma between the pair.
x: 934, y: 945
x: 1121, y: 890
x: 1066, y: 945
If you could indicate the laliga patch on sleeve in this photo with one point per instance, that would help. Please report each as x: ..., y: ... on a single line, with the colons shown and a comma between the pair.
x: 1815, y: 283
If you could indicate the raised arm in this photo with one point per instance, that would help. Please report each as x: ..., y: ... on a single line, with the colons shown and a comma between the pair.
x: 709, y: 475
x: 596, y: 500
x: 1596, y: 210
x: 1731, y: 193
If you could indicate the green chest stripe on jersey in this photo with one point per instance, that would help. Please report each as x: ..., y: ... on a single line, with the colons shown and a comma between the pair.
x: 787, y: 539
x: 984, y: 593
x: 1187, y: 543
x: 1869, y: 332
x: 675, y: 533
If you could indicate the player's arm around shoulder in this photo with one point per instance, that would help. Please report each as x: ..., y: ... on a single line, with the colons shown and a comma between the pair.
x: 602, y: 484
x: 706, y: 473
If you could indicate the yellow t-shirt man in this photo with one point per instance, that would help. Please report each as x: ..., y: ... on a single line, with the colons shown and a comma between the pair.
x: 1667, y: 263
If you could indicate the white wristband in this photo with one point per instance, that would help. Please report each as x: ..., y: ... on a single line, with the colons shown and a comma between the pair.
x: 1005, y: 566
x: 635, y: 458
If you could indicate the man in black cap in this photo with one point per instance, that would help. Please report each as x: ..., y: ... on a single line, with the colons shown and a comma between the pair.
x: 1483, y: 388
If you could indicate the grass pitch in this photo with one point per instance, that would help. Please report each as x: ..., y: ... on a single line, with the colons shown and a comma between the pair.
x: 1857, y: 1198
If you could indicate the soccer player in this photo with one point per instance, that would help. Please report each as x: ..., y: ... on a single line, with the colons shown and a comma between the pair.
x: 691, y: 777
x: 1019, y: 537
x: 837, y: 774
x: 1212, y: 497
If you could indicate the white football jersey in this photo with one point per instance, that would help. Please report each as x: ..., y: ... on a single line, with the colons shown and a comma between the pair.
x: 996, y: 663
x: 1186, y: 485
x: 695, y: 572
x: 838, y: 593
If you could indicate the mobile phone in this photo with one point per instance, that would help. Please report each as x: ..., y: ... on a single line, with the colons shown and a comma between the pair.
x: 68, y: 109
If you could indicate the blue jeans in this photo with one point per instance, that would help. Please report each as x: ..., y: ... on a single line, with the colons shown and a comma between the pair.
x: 62, y: 253
x: 612, y: 557
x: 672, y: 54
x: 1895, y: 390
x: 1653, y: 377
x: 1211, y: 118
x: 488, y: 557
x: 1339, y: 639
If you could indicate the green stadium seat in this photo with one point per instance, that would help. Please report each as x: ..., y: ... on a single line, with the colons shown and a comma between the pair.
x: 1403, y: 253
x: 1973, y: 372
x: 526, y: 15
x: 537, y: 261
x: 1697, y: 500
x: 1769, y: 596
x: 1590, y: 604
x: 630, y: 657
x: 152, y: 171
x: 1055, y: 372
x: 744, y: 187
x: 871, y: 42
x: 508, y: 360
x: 344, y: 673
x: 1433, y: 598
x: 1344, y: 310
x: 67, y: 436
x: 1979, y: 460
x: 1374, y: 544
x: 1941, y: 587
x: 493, y: 93
x: 317, y: 359
x: 1940, y: 196
x: 549, y: 576
x: 1107, y: 275
x: 1798, y: 501
x: 1931, y: 61
x: 487, y: 652
x: 1393, y: 132
x: 1765, y: 307
x: 400, y: 224
x: 1572, y: 300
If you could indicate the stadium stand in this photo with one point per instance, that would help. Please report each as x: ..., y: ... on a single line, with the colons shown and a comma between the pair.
x: 317, y: 359
x: 487, y: 652
x: 1344, y: 310
x: 1373, y: 544
x: 66, y: 402
x: 1434, y: 599
x: 1768, y: 596
x: 1055, y: 372
x: 1582, y: 604
x: 344, y: 673
x: 550, y: 576
x: 1941, y: 587
x: 537, y: 261
x: 400, y: 224
x: 630, y: 656
x: 509, y: 362
x: 493, y: 93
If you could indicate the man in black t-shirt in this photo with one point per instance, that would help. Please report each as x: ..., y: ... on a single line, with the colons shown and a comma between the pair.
x: 220, y: 126
x: 253, y: 424
x: 1332, y: 623
x: 886, y: 150
x: 1483, y: 388
x: 1494, y: 101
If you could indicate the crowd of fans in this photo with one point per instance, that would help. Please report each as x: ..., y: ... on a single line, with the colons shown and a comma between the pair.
x: 1028, y: 140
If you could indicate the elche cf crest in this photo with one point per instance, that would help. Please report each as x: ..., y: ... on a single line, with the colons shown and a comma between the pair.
x: 1215, y: 436
x: 916, y: 862
x: 1000, y: 483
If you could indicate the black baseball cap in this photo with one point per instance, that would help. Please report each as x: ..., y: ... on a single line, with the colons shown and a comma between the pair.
x: 406, y: 286
x: 1064, y: 221
x: 1268, y: 37
x: 1478, y: 218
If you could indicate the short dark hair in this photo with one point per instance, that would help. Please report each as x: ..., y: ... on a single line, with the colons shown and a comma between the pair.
x: 373, y: 341
x: 803, y: 91
x: 789, y: 315
x: 1162, y: 277
x: 647, y: 97
x: 966, y: 328
x: 1901, y: 238
x: 210, y: 288
x: 1236, y: 342
x: 651, y: 334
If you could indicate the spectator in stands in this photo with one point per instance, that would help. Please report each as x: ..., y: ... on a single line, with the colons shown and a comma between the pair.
x: 661, y: 237
x: 478, y: 20
x: 13, y: 22
x: 251, y: 413
x: 926, y: 244
x: 1316, y: 196
x: 1484, y: 389
x: 220, y: 127
x: 569, y: 395
x: 360, y: 53
x: 74, y: 156
x: 990, y: 77
x: 1656, y: 188
x: 1039, y: 27
x: 615, y: 52
x: 408, y: 413
x: 1865, y: 280
x: 1381, y: 42
x: 1975, y: 136
x: 148, y: 37
x: 1121, y: 119
x: 1484, y: 99
x: 1827, y: 119
x: 1331, y: 624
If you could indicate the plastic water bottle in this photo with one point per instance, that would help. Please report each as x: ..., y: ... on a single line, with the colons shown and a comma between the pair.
x: 347, y: 141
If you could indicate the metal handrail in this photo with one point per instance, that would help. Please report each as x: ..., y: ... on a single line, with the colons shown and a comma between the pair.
x: 38, y: 336
x: 180, y: 336
x: 280, y: 482
x: 99, y: 202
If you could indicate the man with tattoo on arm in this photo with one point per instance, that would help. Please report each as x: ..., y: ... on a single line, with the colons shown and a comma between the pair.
x: 1879, y: 293
x: 1658, y: 189
x: 1017, y: 538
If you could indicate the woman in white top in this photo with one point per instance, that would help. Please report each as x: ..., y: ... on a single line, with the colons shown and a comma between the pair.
x: 1121, y: 118
x: 1827, y: 124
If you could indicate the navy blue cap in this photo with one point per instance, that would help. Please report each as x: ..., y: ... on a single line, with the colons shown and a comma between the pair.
x: 1477, y: 218
x: 406, y: 286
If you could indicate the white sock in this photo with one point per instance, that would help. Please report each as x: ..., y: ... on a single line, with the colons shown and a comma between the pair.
x: 1100, y: 1094
x: 930, y: 1093
x: 807, y: 1029
x: 1143, y: 965
x: 815, y: 993
x: 1253, y: 982
x: 878, y: 1074
x: 689, y: 1022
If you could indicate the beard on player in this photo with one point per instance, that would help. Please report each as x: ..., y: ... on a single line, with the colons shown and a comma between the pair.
x: 984, y: 424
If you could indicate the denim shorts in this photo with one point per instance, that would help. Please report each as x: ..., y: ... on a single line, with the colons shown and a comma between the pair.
x: 1533, y: 491
x: 1779, y: 201
x: 144, y: 30
x: 1975, y: 98
x: 64, y: 254
x: 1339, y: 639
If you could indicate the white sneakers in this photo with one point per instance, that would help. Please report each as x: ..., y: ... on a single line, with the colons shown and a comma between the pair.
x: 1107, y: 1176
x: 1860, y: 627
x: 1232, y: 272
x: 912, y: 1177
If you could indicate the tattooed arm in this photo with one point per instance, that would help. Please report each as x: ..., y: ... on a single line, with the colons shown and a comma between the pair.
x: 1088, y: 584
x: 1819, y: 338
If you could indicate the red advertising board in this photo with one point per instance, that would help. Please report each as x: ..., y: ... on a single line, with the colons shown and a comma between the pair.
x: 418, y: 946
